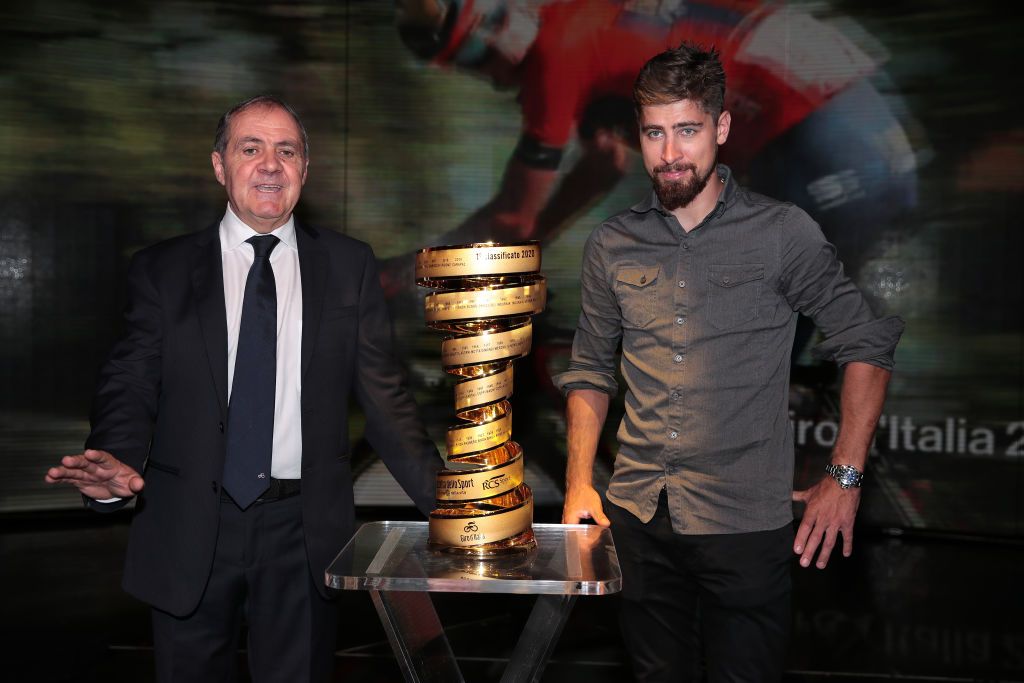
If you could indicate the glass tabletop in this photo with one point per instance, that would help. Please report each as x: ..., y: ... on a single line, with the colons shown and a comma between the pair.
x: 570, y: 559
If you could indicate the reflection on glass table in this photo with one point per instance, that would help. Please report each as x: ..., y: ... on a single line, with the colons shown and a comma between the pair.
x: 391, y: 560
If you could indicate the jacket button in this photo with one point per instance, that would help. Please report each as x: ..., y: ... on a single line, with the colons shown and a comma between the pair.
x: 220, y: 427
x: 213, y: 485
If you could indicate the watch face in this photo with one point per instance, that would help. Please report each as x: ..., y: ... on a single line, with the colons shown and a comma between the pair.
x: 846, y: 475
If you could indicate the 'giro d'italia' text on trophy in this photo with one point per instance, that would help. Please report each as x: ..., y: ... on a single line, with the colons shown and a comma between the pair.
x: 485, y: 296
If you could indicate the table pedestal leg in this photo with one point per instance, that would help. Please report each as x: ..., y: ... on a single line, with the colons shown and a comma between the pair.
x: 537, y: 642
x: 416, y: 636
x: 424, y: 654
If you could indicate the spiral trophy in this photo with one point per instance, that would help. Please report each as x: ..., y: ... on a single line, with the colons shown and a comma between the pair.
x: 486, y: 295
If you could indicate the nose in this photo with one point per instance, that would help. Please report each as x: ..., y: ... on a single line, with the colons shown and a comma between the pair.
x: 269, y: 162
x: 670, y: 150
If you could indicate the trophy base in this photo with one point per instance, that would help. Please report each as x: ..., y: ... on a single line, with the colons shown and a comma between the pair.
x: 522, y: 542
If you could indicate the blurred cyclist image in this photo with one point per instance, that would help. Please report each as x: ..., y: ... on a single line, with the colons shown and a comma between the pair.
x: 811, y: 128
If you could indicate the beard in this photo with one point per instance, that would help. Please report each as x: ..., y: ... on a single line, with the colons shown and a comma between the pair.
x: 675, y: 194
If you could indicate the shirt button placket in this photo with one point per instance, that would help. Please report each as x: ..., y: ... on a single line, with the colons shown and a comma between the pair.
x: 684, y: 267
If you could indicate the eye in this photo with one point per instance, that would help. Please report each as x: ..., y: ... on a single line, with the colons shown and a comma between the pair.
x: 249, y: 151
x: 688, y: 132
x: 288, y: 153
x: 654, y: 134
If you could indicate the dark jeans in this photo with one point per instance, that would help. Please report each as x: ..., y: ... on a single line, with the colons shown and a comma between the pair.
x: 717, y: 604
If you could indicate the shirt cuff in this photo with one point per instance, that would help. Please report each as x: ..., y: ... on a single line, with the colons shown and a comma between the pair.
x: 585, y: 379
x: 872, y: 342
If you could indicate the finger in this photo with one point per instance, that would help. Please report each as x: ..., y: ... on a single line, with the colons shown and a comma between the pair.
x: 800, y: 496
x: 63, y: 475
x: 54, y: 475
x: 72, y: 476
x: 74, y: 461
x: 827, y: 543
x: 847, y: 541
x: 100, y: 459
x: 811, y: 547
x: 136, y: 484
x: 570, y: 516
x: 80, y: 463
x: 601, y: 518
x: 802, y: 534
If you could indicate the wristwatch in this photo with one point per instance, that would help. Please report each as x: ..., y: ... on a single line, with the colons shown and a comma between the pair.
x: 847, y: 475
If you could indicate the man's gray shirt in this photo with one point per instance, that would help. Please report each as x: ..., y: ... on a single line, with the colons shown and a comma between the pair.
x: 706, y: 320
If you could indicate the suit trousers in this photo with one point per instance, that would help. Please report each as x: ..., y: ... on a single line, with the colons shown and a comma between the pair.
x: 716, y: 604
x: 261, y: 577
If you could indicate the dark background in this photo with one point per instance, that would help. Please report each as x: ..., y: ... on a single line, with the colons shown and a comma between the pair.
x: 107, y: 111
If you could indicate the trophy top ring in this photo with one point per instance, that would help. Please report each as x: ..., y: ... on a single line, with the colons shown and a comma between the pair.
x: 477, y: 245
x: 476, y: 260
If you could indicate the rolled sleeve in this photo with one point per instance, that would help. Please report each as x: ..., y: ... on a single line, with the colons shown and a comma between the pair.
x: 816, y: 286
x: 580, y: 378
x: 599, y: 331
x: 873, y: 342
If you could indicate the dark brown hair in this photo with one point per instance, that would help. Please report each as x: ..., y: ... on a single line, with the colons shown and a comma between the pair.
x: 688, y: 72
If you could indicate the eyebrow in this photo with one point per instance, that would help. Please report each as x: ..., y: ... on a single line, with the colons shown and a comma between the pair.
x: 252, y: 138
x: 676, y: 126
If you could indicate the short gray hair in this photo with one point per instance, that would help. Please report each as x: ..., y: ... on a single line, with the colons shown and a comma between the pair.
x: 220, y: 138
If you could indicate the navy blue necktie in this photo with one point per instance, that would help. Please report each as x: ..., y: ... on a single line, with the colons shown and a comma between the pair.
x: 250, y: 434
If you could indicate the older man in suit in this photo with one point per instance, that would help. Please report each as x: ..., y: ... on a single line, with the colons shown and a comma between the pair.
x: 224, y: 411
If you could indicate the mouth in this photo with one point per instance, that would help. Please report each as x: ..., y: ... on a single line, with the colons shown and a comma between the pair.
x: 675, y: 172
x: 269, y: 188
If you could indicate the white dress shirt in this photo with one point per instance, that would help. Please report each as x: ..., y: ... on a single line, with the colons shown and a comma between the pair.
x: 237, y: 257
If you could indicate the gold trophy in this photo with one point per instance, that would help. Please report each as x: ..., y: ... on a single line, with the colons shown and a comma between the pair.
x: 486, y: 295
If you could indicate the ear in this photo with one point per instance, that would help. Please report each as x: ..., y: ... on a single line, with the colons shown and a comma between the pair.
x: 305, y: 170
x: 218, y: 167
x: 724, y: 122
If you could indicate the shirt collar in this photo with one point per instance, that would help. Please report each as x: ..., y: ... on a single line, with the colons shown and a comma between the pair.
x: 651, y: 202
x: 233, y: 232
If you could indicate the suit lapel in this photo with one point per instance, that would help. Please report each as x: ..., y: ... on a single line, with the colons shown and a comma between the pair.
x: 208, y: 291
x: 313, y: 265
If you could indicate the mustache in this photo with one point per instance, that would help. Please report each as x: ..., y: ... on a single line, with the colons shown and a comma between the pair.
x: 675, y: 168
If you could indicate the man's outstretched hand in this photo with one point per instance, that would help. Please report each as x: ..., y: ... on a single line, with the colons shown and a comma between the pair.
x: 97, y: 475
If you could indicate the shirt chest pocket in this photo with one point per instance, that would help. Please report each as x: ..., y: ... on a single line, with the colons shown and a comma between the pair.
x: 734, y: 292
x: 636, y: 291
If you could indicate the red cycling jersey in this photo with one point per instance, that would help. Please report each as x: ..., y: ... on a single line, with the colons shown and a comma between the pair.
x: 781, y: 64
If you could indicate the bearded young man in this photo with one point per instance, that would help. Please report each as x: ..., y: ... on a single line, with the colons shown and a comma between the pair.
x: 701, y: 283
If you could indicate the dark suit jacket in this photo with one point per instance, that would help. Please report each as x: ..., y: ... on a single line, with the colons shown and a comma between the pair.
x: 161, y: 405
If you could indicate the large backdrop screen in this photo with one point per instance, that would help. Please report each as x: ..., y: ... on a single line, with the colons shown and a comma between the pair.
x: 894, y: 124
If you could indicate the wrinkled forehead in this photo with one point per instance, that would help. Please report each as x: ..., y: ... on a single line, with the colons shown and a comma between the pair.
x: 266, y: 122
